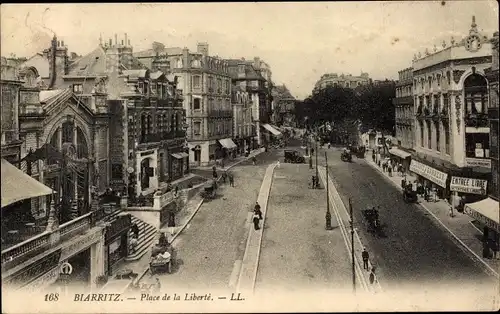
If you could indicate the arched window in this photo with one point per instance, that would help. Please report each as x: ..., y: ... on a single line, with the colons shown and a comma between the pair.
x: 476, y: 94
x: 429, y: 135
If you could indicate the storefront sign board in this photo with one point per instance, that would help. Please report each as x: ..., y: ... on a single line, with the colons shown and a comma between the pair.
x: 481, y: 218
x: 429, y: 173
x: 478, y: 162
x: 468, y: 185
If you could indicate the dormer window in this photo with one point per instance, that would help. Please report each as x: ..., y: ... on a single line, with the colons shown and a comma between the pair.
x: 77, y: 88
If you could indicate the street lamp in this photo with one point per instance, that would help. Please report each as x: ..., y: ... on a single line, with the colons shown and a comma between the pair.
x: 328, y: 216
x: 316, y: 158
x: 351, y: 222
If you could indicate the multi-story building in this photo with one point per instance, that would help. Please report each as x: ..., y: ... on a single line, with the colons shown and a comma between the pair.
x: 242, y: 119
x: 46, y: 226
x: 206, y: 87
x: 247, y: 75
x: 283, y: 107
x: 141, y: 115
x: 10, y: 84
x: 487, y: 211
x: 403, y: 103
x: 342, y: 80
x: 452, y: 133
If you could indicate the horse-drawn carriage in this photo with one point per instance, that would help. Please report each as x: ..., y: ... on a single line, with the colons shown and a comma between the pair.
x: 209, y: 190
x: 346, y: 155
x: 360, y: 151
x: 371, y: 216
x: 409, y: 195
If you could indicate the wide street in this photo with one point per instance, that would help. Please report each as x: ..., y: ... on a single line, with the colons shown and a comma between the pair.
x: 414, y: 252
x: 216, y: 237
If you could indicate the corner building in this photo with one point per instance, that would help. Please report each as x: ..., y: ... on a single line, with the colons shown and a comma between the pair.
x: 452, y: 133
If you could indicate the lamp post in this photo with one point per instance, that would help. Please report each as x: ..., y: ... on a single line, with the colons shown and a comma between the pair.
x: 351, y: 222
x: 316, y: 158
x: 328, y: 216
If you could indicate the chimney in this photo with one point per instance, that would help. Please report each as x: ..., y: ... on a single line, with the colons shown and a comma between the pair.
x: 62, y: 43
x: 110, y: 42
x: 126, y: 39
x: 256, y: 62
x: 202, y: 48
x: 116, y: 39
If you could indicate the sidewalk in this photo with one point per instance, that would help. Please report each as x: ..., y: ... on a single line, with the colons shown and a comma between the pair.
x: 233, y: 162
x: 459, y: 226
x: 141, y: 266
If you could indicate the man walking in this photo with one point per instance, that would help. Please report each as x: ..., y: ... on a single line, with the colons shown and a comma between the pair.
x: 231, y: 179
x: 257, y: 210
x: 372, y: 276
x: 365, y: 257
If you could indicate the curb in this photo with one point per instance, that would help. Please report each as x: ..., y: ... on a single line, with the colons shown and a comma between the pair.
x: 144, y: 272
x: 250, y: 230
x: 240, y: 161
x: 490, y: 269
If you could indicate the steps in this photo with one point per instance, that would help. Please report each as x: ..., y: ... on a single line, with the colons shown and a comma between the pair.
x: 147, y: 235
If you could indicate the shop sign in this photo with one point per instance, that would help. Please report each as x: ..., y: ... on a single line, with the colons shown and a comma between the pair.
x: 430, y: 173
x: 479, y: 152
x: 478, y: 162
x: 468, y: 185
x: 35, y: 269
x: 481, y: 218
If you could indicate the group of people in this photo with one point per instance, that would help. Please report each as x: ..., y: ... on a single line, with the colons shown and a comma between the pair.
x: 134, y: 240
x: 366, y: 256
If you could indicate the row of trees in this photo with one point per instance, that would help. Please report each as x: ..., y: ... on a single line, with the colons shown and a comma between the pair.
x: 371, y: 105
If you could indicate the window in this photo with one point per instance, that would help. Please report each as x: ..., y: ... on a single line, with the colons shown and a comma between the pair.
x: 477, y: 145
x: 448, y: 77
x: 219, y: 86
x: 439, y: 79
x: 429, y: 136
x: 226, y: 87
x: 446, y: 128
x: 145, y: 89
x: 421, y: 127
x: 438, y: 135
x: 196, y: 103
x: 210, y: 84
x: 196, y: 81
x: 77, y: 88
x: 197, y: 128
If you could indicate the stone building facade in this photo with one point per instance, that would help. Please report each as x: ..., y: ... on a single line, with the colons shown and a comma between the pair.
x: 342, y: 80
x: 206, y: 87
x: 10, y: 86
x: 403, y: 104
x: 283, y: 107
x: 242, y: 119
x: 451, y: 126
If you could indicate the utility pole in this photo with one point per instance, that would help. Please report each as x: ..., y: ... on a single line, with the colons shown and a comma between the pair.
x: 328, y: 216
x: 316, y: 158
x: 352, y: 248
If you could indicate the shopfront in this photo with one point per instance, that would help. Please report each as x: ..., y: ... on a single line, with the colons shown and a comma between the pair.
x: 430, y: 177
x: 401, y: 157
x: 487, y: 213
x: 228, y: 147
x: 116, y: 240
x: 466, y: 190
x: 178, y: 165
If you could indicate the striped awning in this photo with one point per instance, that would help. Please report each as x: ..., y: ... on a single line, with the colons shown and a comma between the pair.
x: 18, y: 186
x: 227, y: 143
x: 485, y: 211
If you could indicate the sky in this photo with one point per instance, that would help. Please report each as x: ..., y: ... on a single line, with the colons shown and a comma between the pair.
x: 299, y: 40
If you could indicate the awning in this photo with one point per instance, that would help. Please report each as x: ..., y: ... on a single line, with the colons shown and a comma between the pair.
x: 227, y: 143
x: 400, y: 153
x: 17, y: 185
x: 180, y: 155
x: 271, y: 129
x: 429, y: 173
x: 486, y: 211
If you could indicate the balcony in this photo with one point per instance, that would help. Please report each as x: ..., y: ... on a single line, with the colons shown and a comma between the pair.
x: 150, y: 138
x: 221, y: 113
x: 476, y: 120
x: 435, y: 113
x: 37, y: 244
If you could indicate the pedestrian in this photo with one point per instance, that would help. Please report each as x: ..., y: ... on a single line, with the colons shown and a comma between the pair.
x: 278, y: 164
x: 389, y: 170
x: 257, y: 210
x: 214, y: 174
x: 372, y: 276
x: 313, y: 182
x: 134, y: 242
x: 312, y: 151
x: 135, y: 230
x: 256, y: 222
x: 224, y: 177
x: 365, y: 257
x: 231, y: 179
x: 254, y: 160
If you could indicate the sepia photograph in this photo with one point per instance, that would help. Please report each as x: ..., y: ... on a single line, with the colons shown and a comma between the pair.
x: 250, y: 157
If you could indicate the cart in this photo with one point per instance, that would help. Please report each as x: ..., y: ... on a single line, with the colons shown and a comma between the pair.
x: 346, y: 156
x: 209, y: 190
x: 161, y: 259
x: 372, y: 219
x: 409, y: 195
